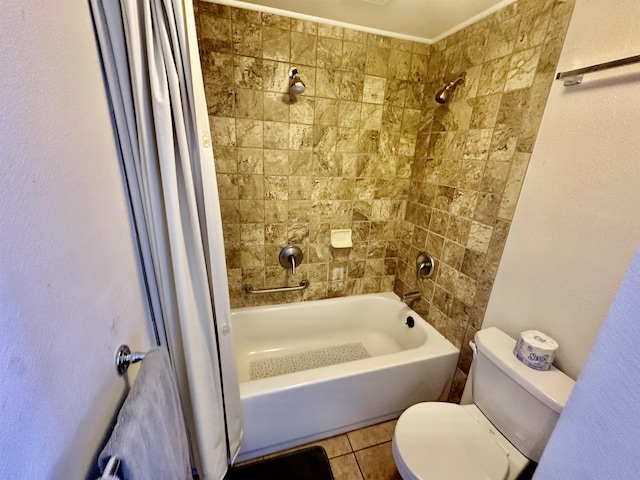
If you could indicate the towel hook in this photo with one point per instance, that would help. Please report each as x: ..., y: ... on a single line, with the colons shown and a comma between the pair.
x: 124, y: 358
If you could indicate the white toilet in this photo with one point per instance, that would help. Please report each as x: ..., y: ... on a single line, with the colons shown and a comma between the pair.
x: 514, y: 412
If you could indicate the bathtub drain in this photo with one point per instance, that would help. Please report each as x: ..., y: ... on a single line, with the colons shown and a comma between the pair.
x: 322, y: 357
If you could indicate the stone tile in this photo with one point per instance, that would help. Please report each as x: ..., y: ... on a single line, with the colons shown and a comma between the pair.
x: 376, y: 463
x: 479, y: 237
x: 304, y: 49
x: 485, y: 112
x: 400, y: 64
x: 329, y: 52
x: 457, y: 387
x: 351, y: 86
x: 249, y: 133
x: 247, y: 39
x: 242, y: 15
x: 522, y: 69
x: 223, y: 131
x: 345, y: 467
x: 276, y: 135
x: 373, y: 435
x: 220, y: 100
x: 332, y: 31
x: 248, y: 72
x: 276, y: 44
x: 354, y: 57
x: 248, y: 103
x: 377, y: 62
x: 250, y: 160
x: 494, y: 76
x: 278, y: 21
x: 215, y: 34
x: 513, y: 185
x: 374, y: 89
x: 304, y: 26
x: 275, y: 107
x: 502, y: 38
x: 217, y: 68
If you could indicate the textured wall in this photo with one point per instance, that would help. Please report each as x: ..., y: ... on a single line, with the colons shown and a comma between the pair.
x: 70, y: 291
x: 587, y: 443
x: 471, y: 157
x: 290, y: 170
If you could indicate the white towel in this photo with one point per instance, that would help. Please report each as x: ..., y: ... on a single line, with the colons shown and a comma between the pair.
x: 150, y: 435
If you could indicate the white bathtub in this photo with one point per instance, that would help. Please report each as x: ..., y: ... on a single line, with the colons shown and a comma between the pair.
x: 406, y: 366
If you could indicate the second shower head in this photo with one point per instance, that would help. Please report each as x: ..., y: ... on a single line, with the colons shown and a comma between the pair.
x: 443, y: 95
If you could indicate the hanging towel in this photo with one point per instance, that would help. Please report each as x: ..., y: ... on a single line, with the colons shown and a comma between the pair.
x: 150, y: 436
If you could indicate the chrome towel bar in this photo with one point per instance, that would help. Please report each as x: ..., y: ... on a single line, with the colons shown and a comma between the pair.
x: 574, y: 77
x: 303, y: 284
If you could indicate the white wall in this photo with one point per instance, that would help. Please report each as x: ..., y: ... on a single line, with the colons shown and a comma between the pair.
x: 598, y: 432
x: 70, y: 290
x: 577, y: 223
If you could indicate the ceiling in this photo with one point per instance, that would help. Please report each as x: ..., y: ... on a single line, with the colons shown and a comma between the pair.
x: 418, y: 20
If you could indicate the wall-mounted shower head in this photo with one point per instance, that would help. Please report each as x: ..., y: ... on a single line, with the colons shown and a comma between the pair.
x: 297, y: 86
x: 443, y: 95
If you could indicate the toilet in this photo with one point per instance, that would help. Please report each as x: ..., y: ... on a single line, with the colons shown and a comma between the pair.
x: 513, y: 413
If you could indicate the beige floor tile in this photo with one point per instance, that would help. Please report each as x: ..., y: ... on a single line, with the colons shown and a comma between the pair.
x: 373, y: 435
x: 345, y: 467
x: 334, y: 446
x: 376, y: 463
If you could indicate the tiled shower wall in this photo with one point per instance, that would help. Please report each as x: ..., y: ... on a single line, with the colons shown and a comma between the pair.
x: 366, y: 147
x: 291, y: 169
x: 471, y: 157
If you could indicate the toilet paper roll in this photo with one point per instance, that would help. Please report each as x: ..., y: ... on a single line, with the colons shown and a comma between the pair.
x: 535, y: 349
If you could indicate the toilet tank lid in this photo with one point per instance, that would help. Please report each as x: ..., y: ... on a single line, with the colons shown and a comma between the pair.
x: 551, y: 387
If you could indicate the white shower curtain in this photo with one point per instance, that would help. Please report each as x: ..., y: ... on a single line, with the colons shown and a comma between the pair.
x: 150, y: 56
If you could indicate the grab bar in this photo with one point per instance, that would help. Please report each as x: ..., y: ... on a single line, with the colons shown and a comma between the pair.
x: 574, y: 77
x: 303, y: 284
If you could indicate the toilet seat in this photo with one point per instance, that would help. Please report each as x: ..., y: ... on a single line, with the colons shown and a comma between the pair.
x: 434, y: 441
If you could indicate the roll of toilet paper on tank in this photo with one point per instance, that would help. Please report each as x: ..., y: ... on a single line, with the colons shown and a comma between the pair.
x: 536, y: 349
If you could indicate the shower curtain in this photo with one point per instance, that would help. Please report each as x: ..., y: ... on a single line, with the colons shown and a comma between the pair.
x: 150, y: 58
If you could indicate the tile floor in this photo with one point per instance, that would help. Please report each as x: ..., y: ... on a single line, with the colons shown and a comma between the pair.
x: 363, y: 454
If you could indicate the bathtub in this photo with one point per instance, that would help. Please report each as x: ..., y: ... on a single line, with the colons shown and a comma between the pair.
x: 404, y: 366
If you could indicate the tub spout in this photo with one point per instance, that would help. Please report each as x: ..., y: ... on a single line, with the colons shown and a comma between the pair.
x: 410, y: 297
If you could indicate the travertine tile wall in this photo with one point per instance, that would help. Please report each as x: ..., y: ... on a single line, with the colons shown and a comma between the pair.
x: 471, y: 157
x: 367, y: 147
x: 291, y: 169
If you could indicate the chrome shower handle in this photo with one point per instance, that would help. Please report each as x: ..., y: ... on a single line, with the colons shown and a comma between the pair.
x: 290, y: 257
x: 425, y: 265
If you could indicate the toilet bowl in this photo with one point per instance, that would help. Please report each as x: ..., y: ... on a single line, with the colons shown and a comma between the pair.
x: 455, y: 442
x: 514, y: 411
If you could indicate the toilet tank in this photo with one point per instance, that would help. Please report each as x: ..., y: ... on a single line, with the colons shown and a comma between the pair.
x: 522, y: 403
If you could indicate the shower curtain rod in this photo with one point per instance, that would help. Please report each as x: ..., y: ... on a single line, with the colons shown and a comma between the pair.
x: 574, y: 77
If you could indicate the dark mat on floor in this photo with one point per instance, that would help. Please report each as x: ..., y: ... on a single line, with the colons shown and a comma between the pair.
x: 309, y: 464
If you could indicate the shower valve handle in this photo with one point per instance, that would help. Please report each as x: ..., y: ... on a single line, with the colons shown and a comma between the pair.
x: 290, y: 257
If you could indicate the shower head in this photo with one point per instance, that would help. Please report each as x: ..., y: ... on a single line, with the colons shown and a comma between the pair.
x: 297, y: 86
x: 443, y: 95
